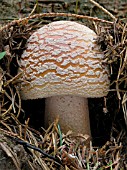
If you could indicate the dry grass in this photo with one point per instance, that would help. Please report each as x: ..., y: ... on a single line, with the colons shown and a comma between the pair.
x: 114, y: 42
x: 53, y: 149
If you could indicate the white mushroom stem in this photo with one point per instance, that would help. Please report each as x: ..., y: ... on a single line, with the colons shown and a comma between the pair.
x: 72, y: 112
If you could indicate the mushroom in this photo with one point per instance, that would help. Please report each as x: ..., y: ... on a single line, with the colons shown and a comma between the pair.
x: 63, y: 63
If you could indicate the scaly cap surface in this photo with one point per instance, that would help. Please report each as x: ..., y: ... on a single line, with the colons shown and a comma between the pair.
x: 62, y: 58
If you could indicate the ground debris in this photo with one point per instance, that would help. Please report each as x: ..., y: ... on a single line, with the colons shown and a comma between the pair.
x: 51, y: 149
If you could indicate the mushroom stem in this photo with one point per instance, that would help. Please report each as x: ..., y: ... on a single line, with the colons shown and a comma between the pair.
x: 72, y: 112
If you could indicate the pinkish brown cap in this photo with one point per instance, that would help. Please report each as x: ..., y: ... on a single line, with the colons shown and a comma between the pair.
x: 63, y: 58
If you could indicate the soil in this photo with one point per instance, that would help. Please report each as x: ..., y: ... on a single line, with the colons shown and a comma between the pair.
x: 9, y: 151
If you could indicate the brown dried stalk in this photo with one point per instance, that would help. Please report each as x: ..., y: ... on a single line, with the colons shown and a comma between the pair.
x: 25, y: 20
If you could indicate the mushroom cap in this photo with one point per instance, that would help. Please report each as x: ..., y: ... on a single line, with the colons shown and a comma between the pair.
x: 63, y: 58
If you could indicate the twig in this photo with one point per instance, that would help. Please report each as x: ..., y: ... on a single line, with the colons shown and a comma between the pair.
x: 103, y: 9
x: 8, y: 133
x: 11, y: 99
x: 12, y: 80
x: 28, y: 145
x: 25, y: 20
